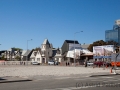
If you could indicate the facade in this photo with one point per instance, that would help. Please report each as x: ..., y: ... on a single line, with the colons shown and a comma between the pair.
x: 38, y: 57
x: 73, y: 50
x: 12, y: 54
x: 57, y: 55
x: 65, y: 46
x: 46, y: 53
x: 33, y: 55
x: 114, y: 34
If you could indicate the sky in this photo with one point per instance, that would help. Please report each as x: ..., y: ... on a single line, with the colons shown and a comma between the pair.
x: 55, y: 20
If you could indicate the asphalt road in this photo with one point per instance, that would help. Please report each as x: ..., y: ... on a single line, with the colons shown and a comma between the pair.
x: 74, y: 82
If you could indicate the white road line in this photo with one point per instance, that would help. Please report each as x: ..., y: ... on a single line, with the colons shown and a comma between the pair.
x: 87, y: 79
x: 111, y: 80
x: 106, y: 77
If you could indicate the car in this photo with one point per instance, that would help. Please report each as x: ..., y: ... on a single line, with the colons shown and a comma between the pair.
x: 90, y: 63
x: 35, y: 63
x: 108, y: 64
x: 99, y: 63
x: 51, y: 62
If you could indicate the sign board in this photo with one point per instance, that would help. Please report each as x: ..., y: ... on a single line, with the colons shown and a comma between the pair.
x: 103, y: 51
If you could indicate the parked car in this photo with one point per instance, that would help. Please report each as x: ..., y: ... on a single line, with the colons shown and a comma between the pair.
x: 35, y: 63
x: 90, y: 63
x: 99, y: 63
x: 51, y: 62
x: 108, y: 64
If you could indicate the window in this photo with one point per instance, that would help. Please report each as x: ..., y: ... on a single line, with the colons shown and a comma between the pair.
x: 38, y: 59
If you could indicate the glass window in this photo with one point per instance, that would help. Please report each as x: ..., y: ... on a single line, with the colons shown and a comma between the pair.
x: 38, y: 59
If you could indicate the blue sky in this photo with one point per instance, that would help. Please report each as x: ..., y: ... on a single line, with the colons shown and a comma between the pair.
x: 56, y: 20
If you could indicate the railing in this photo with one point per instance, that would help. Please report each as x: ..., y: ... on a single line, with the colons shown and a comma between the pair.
x: 15, y: 62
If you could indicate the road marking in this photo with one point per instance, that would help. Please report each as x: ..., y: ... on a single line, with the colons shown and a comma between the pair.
x: 86, y: 79
x: 112, y: 80
x: 106, y: 77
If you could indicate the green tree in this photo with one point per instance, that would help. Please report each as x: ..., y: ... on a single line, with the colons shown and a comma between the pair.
x: 17, y: 58
x: 36, y: 49
x: 2, y: 57
x: 16, y: 49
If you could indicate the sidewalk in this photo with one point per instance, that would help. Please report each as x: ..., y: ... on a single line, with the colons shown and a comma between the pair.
x: 26, y: 71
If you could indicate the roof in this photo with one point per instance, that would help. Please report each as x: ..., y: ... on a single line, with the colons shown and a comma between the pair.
x: 85, y: 46
x: 23, y: 52
x: 46, y: 41
x: 54, y: 52
x: 27, y: 52
x: 72, y: 41
x: 33, y: 54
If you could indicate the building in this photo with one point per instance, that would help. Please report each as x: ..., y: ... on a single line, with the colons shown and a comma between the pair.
x: 114, y: 34
x: 12, y: 54
x: 72, y: 52
x: 67, y: 45
x: 45, y: 53
x: 57, y: 55
x: 26, y: 55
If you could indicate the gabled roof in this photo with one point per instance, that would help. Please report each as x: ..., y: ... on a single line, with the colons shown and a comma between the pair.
x: 46, y: 42
x: 24, y: 51
x: 72, y: 41
x: 54, y: 52
x: 27, y: 53
x: 33, y: 54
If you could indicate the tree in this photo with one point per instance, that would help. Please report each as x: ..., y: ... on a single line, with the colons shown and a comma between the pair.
x: 36, y: 49
x: 17, y: 58
x: 16, y: 49
x: 2, y: 57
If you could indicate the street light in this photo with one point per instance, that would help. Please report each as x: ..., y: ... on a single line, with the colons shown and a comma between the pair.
x: 74, y: 45
x: 27, y: 51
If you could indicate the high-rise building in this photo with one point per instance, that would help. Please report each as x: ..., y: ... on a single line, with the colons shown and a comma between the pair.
x: 114, y: 34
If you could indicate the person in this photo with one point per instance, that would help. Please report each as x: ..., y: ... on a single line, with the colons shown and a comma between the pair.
x: 24, y: 63
x: 66, y: 63
x: 85, y: 63
x: 54, y: 63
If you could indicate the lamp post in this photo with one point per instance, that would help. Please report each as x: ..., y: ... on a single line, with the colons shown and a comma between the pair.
x: 74, y: 46
x: 27, y: 51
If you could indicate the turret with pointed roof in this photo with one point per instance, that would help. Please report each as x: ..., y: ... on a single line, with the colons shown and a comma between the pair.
x: 46, y: 42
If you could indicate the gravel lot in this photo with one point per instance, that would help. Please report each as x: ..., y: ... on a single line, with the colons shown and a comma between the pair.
x: 22, y: 71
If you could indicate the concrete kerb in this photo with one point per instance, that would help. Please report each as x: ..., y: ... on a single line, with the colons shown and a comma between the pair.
x: 104, y: 74
x: 13, y: 79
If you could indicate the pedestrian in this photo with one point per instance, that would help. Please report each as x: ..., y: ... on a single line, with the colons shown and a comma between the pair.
x: 85, y: 63
x: 24, y: 63
x: 54, y: 63
x: 66, y: 63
